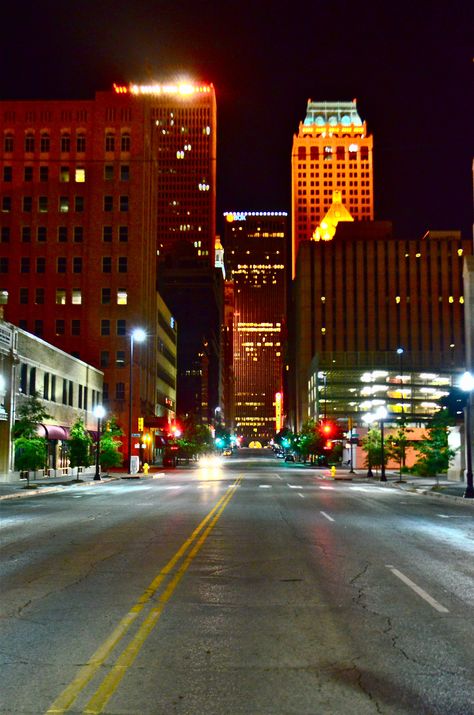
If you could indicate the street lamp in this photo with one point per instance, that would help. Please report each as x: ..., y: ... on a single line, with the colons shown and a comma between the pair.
x: 99, y: 412
x: 466, y: 383
x: 136, y: 336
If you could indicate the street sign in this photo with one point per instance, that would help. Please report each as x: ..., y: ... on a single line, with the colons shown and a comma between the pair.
x: 135, y: 434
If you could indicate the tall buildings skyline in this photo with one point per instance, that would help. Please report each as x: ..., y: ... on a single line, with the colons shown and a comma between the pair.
x: 332, y: 151
x: 255, y: 258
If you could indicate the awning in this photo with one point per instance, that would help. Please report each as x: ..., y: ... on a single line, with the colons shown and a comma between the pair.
x: 53, y: 432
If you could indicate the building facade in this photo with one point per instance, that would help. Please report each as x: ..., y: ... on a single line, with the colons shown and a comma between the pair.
x: 255, y: 258
x: 67, y: 387
x: 363, y: 296
x: 332, y: 151
x: 93, y: 193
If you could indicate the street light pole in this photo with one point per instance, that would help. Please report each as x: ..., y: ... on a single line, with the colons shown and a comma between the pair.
x: 138, y: 335
x: 383, y: 477
x: 99, y: 412
x: 466, y: 384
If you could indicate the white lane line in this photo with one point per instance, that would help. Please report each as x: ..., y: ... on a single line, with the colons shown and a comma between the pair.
x: 426, y: 596
x: 329, y: 518
x: 294, y: 486
x: 301, y: 495
x: 265, y: 486
x: 174, y: 486
x: 326, y: 487
x: 453, y: 516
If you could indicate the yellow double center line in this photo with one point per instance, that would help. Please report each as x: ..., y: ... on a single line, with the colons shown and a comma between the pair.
x: 110, y: 683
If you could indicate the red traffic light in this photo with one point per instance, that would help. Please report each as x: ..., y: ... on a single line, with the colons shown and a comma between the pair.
x: 327, y: 428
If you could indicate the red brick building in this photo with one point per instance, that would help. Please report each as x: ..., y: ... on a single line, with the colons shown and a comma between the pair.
x: 91, y: 193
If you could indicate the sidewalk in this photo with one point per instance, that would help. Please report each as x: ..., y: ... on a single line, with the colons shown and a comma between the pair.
x: 19, y: 488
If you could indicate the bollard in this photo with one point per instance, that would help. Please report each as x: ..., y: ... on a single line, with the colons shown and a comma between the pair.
x: 146, y: 467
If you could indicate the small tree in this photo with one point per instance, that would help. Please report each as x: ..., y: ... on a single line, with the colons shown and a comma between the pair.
x: 435, y: 452
x: 397, y: 445
x: 372, y: 444
x: 80, y: 446
x: 30, y: 449
x: 30, y: 454
x: 110, y: 455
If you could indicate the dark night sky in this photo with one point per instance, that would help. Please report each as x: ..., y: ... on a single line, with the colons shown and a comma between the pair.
x: 408, y: 63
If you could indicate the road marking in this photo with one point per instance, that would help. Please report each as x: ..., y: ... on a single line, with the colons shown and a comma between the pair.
x: 453, y: 516
x: 294, y: 486
x: 426, y: 596
x: 301, y: 495
x: 68, y: 696
x: 265, y: 486
x: 174, y: 486
x: 326, y: 487
x: 329, y: 518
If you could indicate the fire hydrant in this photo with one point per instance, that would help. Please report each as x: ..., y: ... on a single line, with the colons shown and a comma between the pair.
x: 333, y: 471
x: 146, y: 467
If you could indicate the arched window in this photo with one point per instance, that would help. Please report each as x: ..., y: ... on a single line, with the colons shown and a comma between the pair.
x: 29, y: 142
x: 109, y: 141
x: 65, y: 142
x: 80, y: 142
x: 8, y: 142
x: 44, y: 142
x: 125, y: 142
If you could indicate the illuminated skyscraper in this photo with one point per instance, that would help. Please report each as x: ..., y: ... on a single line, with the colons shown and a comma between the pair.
x: 92, y: 192
x: 255, y: 257
x: 332, y: 151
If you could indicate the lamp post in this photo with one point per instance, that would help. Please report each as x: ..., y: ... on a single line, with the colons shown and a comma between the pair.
x: 466, y: 384
x: 99, y: 412
x: 138, y: 335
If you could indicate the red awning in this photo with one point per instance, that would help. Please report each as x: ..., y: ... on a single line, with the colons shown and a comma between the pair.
x: 53, y: 432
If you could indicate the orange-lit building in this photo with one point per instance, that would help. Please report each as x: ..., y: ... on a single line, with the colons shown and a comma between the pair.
x: 255, y: 259
x: 332, y: 151
x: 92, y: 192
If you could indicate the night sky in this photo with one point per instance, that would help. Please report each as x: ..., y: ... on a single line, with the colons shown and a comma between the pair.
x: 409, y: 64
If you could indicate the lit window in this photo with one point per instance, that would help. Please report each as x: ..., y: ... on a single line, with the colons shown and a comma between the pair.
x: 76, y: 296
x: 80, y: 176
x: 60, y: 296
x: 122, y: 296
x: 64, y: 204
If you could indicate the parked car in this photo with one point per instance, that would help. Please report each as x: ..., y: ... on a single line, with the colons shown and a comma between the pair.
x: 290, y: 458
x: 227, y: 453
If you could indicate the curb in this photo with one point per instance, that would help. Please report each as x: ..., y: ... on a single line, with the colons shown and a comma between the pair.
x: 53, y: 489
x: 436, y: 495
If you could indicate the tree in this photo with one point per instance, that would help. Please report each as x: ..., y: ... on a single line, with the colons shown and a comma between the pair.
x: 110, y: 444
x: 435, y: 452
x: 372, y: 444
x: 30, y: 449
x: 80, y: 446
x: 310, y: 440
x: 30, y: 454
x: 397, y: 445
x: 29, y: 415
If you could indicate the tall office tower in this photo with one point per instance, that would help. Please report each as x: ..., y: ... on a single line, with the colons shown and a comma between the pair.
x: 91, y: 192
x: 255, y: 258
x: 332, y: 151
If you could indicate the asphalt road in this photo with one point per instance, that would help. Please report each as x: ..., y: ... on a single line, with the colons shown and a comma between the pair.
x: 255, y: 587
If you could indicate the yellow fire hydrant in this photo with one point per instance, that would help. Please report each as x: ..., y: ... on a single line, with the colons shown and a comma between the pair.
x: 146, y: 467
x: 333, y: 471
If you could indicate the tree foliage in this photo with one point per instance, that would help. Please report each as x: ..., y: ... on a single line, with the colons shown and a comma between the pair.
x: 372, y: 445
x: 434, y: 450
x: 29, y: 415
x: 30, y: 453
x: 80, y: 445
x: 397, y: 444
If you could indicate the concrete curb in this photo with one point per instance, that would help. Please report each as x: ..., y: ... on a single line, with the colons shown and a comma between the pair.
x: 430, y: 493
x: 40, y: 490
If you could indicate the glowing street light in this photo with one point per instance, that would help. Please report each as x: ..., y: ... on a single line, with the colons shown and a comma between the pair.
x: 136, y: 336
x: 99, y: 412
x: 466, y: 383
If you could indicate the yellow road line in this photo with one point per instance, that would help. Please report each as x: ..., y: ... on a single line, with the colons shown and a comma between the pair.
x: 127, y: 657
x: 87, y: 672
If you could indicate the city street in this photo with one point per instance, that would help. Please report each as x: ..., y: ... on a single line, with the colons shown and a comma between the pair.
x: 252, y: 586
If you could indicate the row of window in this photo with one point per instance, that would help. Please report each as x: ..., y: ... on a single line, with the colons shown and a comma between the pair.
x: 26, y: 264
x: 119, y: 296
x: 328, y: 152
x: 51, y: 388
x: 63, y: 233
x: 60, y: 327
x: 65, y: 204
x: 66, y: 173
x: 30, y: 143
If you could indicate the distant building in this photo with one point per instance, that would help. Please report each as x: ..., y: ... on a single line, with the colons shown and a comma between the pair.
x: 67, y: 387
x: 367, y: 302
x: 332, y: 151
x: 255, y: 258
x: 93, y: 194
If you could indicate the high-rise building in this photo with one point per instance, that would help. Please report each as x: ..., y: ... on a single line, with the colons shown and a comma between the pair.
x: 255, y: 258
x: 332, y: 151
x: 366, y: 298
x: 92, y: 192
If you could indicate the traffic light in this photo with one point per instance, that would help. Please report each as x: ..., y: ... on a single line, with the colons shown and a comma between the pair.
x: 175, y: 431
x: 327, y: 428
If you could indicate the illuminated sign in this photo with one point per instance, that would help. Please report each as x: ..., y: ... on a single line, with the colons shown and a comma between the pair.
x: 182, y: 88
x: 278, y: 411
